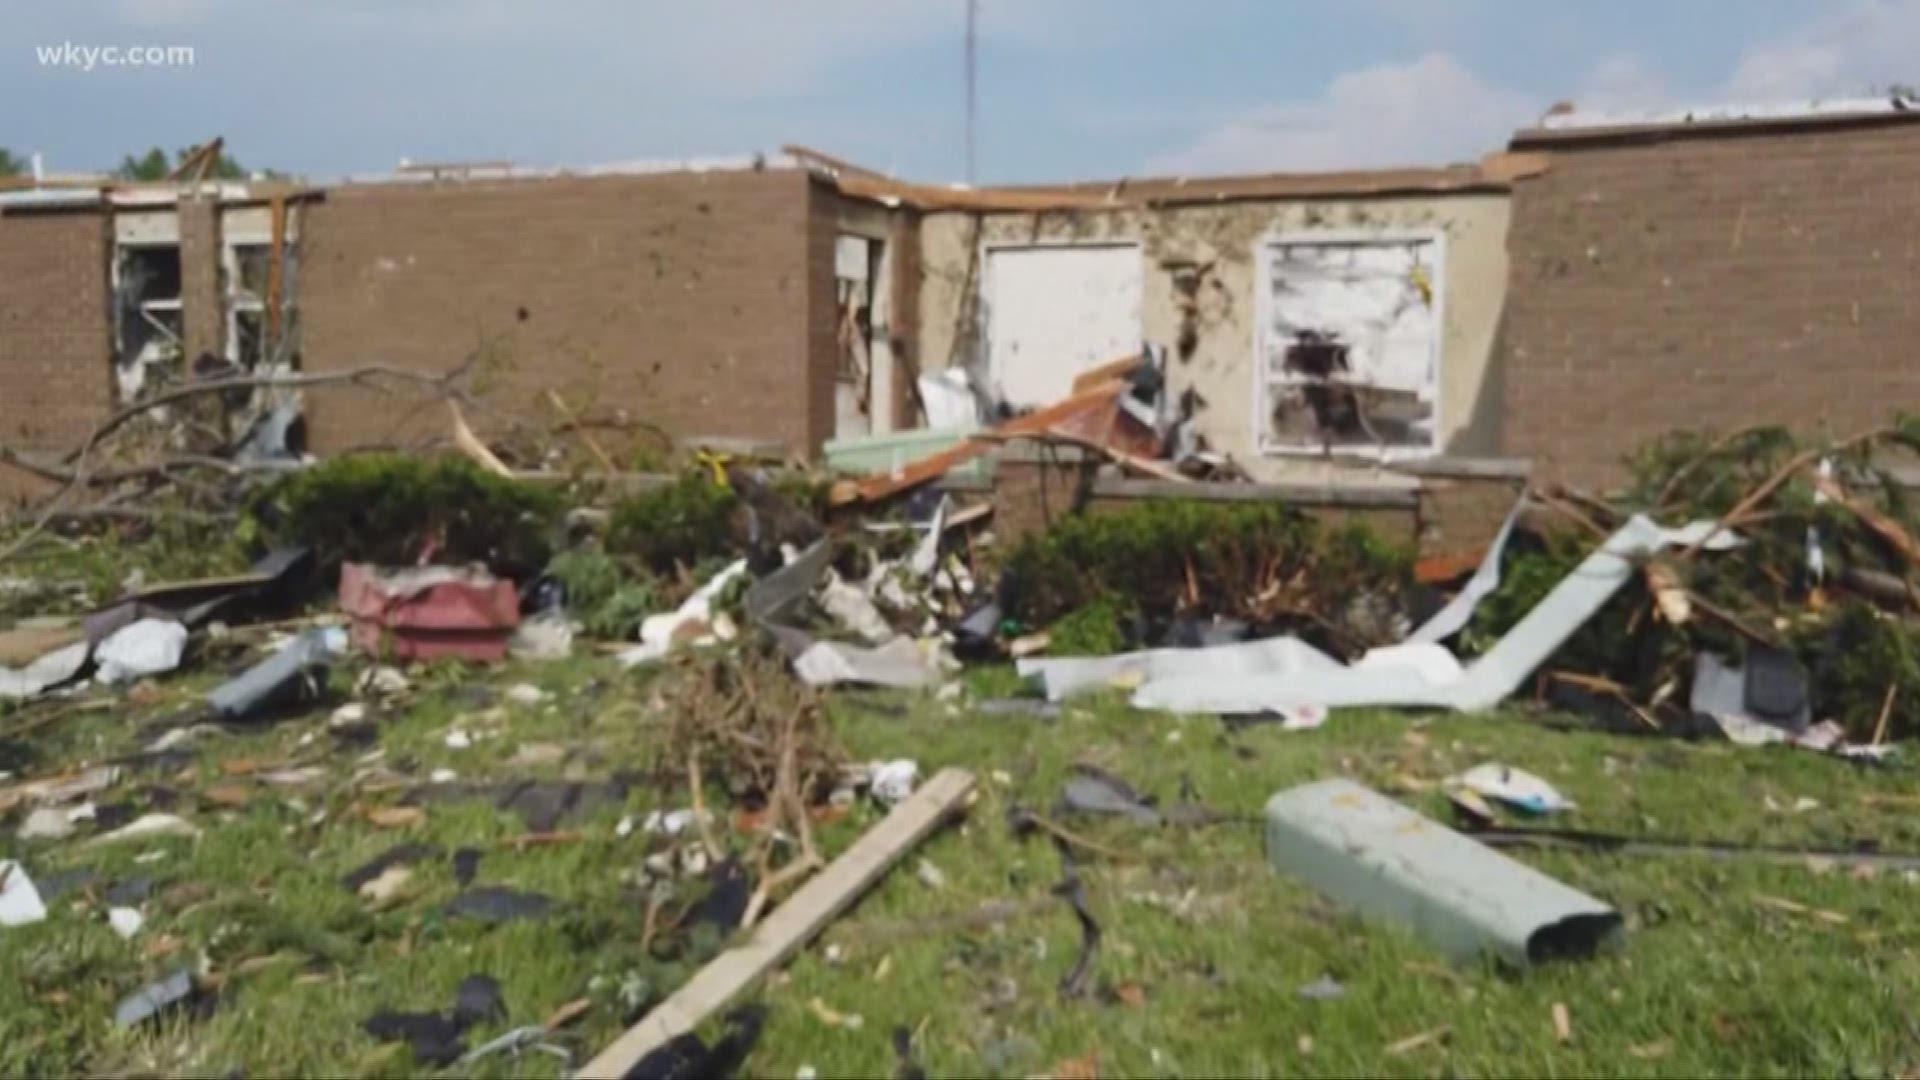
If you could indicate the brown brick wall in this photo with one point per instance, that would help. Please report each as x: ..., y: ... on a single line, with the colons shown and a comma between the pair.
x: 1460, y: 516
x: 688, y: 300
x: 203, y: 317
x: 1711, y: 282
x: 905, y: 338
x: 56, y: 352
x: 822, y: 317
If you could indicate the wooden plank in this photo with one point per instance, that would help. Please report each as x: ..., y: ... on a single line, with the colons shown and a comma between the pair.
x: 1112, y: 369
x: 791, y: 925
x: 276, y: 260
x: 1103, y: 398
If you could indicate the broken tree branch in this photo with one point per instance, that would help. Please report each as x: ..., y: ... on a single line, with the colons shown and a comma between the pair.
x: 80, y: 459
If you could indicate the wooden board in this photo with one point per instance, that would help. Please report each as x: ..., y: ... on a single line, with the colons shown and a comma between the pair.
x: 1093, y: 409
x: 24, y: 645
x: 791, y: 925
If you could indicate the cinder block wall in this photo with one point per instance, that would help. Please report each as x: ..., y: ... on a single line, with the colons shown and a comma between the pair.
x: 56, y: 349
x: 700, y: 302
x: 1711, y: 281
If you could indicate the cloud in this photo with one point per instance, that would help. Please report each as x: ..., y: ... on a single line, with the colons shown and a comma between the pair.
x: 1424, y: 111
x: 1851, y: 50
x: 1623, y: 82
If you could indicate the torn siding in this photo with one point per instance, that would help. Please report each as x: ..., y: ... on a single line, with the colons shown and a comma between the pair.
x: 1200, y: 271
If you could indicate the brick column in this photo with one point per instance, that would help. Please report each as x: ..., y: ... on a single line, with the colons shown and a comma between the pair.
x: 203, y: 315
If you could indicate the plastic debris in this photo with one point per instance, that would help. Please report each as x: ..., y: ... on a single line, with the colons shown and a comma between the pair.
x: 693, y: 622
x: 20, y: 902
x: 295, y: 673
x: 547, y: 636
x: 148, y: 827
x: 1324, y: 988
x: 55, y: 823
x: 153, y: 999
x: 125, y: 921
x: 1514, y: 787
x: 147, y: 647
x: 49, y: 671
x: 893, y: 781
x: 672, y: 822
x: 525, y: 694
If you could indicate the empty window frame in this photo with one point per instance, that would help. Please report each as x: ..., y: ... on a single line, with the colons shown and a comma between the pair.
x: 855, y: 266
x: 146, y: 289
x: 1349, y: 343
x: 246, y: 267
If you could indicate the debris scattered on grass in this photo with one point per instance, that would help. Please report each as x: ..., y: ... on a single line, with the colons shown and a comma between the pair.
x: 1414, y: 1042
x: 54, y: 823
x: 492, y: 904
x: 1324, y: 988
x: 466, y: 865
x: 389, y: 887
x: 892, y: 781
x: 436, y: 1040
x: 1514, y: 787
x: 525, y: 694
x: 20, y: 902
x: 153, y: 999
x: 1794, y: 907
x: 147, y: 827
x: 688, y: 1057
x: 478, y: 1000
x: 395, y: 817
x: 125, y: 921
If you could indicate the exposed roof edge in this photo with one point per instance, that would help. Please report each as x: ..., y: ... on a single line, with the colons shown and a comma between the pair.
x: 1703, y: 127
x: 1493, y: 174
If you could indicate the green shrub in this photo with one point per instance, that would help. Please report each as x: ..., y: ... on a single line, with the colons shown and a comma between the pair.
x: 1853, y: 656
x: 388, y: 509
x: 602, y: 597
x: 1262, y: 562
x: 677, y: 524
x: 1096, y: 629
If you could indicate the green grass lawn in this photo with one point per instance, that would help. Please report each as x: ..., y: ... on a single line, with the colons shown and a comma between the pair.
x: 1205, y: 948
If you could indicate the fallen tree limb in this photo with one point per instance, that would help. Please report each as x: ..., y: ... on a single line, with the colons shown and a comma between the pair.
x: 163, y: 468
x: 791, y: 925
x: 80, y: 458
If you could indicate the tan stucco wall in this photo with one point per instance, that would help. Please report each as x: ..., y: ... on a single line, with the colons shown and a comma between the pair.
x: 1220, y: 366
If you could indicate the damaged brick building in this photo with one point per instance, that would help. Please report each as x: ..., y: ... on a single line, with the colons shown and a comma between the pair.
x: 701, y: 301
x: 1598, y: 283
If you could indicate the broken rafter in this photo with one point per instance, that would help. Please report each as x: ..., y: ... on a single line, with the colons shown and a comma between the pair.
x: 200, y: 161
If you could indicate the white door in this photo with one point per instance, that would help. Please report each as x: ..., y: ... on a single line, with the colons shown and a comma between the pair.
x: 1053, y: 312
